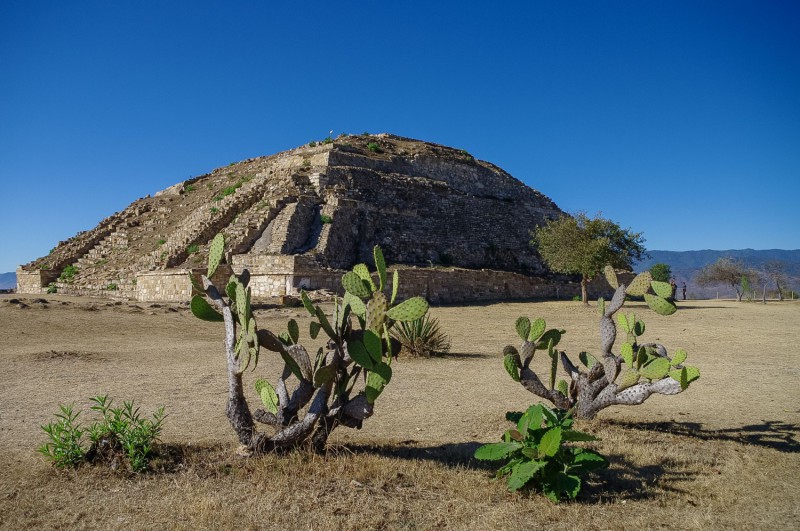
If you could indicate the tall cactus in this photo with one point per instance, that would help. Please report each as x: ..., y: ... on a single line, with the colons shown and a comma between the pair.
x: 628, y: 378
x: 346, y: 377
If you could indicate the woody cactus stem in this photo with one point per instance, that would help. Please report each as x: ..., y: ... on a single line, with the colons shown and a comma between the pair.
x: 310, y: 399
x: 628, y: 378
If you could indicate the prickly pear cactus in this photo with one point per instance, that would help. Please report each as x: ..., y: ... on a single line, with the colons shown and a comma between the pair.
x: 626, y: 377
x: 339, y: 385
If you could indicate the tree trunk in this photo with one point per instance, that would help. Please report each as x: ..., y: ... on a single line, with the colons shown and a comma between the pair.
x: 584, y: 293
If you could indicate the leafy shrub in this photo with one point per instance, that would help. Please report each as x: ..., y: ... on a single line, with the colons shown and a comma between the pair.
x: 162, y: 241
x: 328, y: 140
x: 119, y: 432
x: 326, y: 219
x: 423, y: 337
x: 65, y: 433
x: 189, y: 188
x: 52, y: 288
x: 537, y: 456
x: 374, y: 147
x: 576, y: 298
x: 312, y: 144
x: 68, y: 274
x: 112, y: 287
x: 193, y: 248
x: 213, y: 210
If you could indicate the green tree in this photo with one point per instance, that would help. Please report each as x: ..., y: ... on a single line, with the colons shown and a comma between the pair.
x: 661, y: 272
x: 726, y: 271
x: 584, y: 246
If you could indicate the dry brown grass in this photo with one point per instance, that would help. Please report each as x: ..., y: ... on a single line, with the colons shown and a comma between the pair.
x: 723, y: 455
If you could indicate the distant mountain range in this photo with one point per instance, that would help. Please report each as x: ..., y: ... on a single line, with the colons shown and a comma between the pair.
x: 686, y: 264
x: 8, y: 280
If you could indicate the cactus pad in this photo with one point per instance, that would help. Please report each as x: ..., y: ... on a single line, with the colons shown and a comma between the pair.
x: 377, y: 379
x: 610, y: 368
x: 380, y: 265
x: 563, y: 387
x: 626, y: 351
x: 376, y: 312
x: 268, y: 395
x: 358, y: 353
x: 510, y: 363
x: 523, y: 326
x: 215, y: 251
x: 409, y: 310
x: 587, y: 359
x: 640, y: 284
x: 352, y: 283
x: 395, y: 286
x: 203, y: 310
x: 628, y: 379
x: 611, y: 276
x: 373, y: 344
x: 679, y: 357
x: 363, y: 272
x: 307, y: 302
x: 537, y: 329
x: 313, y: 329
x: 551, y: 335
x: 622, y: 320
x: 660, y: 305
x: 662, y: 289
x: 324, y: 375
x: 294, y: 330
x: 655, y: 369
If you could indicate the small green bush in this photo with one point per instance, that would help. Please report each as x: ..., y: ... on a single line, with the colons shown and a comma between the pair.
x: 312, y: 144
x: 423, y: 337
x: 112, y: 287
x: 328, y: 140
x: 162, y: 241
x: 213, y: 210
x: 118, y: 432
x: 189, y: 188
x: 68, y: 274
x: 577, y: 298
x: 193, y: 248
x: 52, y: 288
x: 326, y: 219
x: 537, y: 456
x: 374, y: 147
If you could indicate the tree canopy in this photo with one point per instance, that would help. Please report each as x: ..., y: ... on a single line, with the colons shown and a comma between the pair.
x: 661, y: 272
x: 726, y: 271
x: 583, y: 245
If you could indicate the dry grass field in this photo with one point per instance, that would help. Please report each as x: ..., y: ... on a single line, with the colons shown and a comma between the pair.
x: 723, y: 455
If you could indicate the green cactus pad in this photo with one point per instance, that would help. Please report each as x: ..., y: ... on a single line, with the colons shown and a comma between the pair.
x: 299, y: 354
x: 230, y: 289
x: 377, y: 379
x: 640, y: 284
x: 527, y: 350
x: 622, y: 320
x: 660, y: 305
x: 270, y: 341
x: 681, y: 376
x: 352, y: 283
x: 373, y: 344
x: 601, y: 305
x: 662, y: 289
x: 363, y: 272
x: 627, y: 379
x: 395, y: 286
x: 313, y: 329
x: 376, y: 312
x: 537, y: 329
x: 409, y: 310
x: 563, y: 387
x: 692, y: 373
x: 587, y: 359
x: 679, y: 357
x: 611, y: 276
x: 307, y: 304
x: 358, y: 353
x: 510, y: 363
x: 203, y: 310
x: 294, y: 330
x: 268, y: 395
x: 551, y: 335
x: 523, y: 326
x: 324, y: 375
x: 553, y: 363
x: 626, y: 351
x: 380, y: 265
x: 357, y: 306
x: 638, y: 328
x: 324, y: 323
x: 655, y: 369
x: 215, y: 251
x: 241, y: 302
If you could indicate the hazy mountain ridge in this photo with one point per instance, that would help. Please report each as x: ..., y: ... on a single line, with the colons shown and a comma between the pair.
x: 8, y: 280
x: 686, y: 264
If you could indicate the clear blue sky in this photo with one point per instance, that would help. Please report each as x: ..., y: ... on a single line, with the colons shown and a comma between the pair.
x: 677, y: 119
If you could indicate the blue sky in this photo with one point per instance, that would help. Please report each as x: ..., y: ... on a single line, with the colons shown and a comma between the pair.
x: 677, y: 119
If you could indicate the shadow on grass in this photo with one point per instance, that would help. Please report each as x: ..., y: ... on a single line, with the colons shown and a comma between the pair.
x: 772, y: 434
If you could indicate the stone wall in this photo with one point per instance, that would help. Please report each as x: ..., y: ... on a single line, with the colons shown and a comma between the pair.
x: 35, y: 281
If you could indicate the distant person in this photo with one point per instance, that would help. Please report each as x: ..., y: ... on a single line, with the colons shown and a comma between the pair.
x: 674, y: 288
x: 683, y: 288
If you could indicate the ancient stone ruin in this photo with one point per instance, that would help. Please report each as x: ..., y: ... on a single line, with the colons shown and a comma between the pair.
x: 458, y: 227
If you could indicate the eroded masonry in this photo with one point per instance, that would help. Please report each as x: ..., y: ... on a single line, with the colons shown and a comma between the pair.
x: 456, y: 227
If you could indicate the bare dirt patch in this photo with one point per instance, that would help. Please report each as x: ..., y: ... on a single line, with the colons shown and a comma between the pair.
x: 724, y: 454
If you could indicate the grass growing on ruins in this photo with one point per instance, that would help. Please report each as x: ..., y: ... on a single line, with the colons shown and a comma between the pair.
x: 722, y: 455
